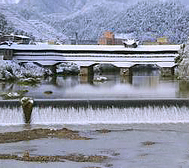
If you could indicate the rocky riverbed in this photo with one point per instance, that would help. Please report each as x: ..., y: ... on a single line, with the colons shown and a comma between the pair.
x: 114, y: 146
x: 73, y: 157
x: 34, y: 134
x: 27, y: 135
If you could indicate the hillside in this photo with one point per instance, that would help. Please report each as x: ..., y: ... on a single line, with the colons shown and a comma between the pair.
x: 33, y: 27
x: 144, y: 19
x: 51, y: 6
x: 47, y: 19
x: 4, y: 26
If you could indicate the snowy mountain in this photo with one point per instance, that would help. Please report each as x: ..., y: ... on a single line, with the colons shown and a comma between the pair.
x: 147, y: 19
x: 47, y: 19
x: 51, y: 6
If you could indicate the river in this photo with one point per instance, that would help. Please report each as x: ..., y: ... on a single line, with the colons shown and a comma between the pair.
x: 145, y: 84
x: 142, y: 137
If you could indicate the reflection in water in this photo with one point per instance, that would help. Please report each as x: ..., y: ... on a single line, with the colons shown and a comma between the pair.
x: 145, y: 81
x: 143, y: 84
x: 183, y: 89
x: 147, y: 78
x: 62, y: 81
x: 86, y: 79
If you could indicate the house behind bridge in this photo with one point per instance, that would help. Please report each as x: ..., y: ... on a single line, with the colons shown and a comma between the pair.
x: 109, y: 38
x: 19, y: 39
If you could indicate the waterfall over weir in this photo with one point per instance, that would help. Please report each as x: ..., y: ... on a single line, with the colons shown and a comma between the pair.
x: 110, y: 115
x: 11, y: 116
x: 129, y: 115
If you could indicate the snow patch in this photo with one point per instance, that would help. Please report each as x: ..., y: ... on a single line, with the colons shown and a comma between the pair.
x: 12, y: 70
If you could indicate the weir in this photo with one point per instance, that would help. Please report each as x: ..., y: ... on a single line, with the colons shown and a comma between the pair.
x: 100, y: 103
x: 83, y: 116
x: 11, y: 116
x: 97, y: 111
x: 110, y: 115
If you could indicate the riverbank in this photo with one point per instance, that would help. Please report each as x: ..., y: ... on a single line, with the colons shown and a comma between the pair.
x: 12, y: 71
x: 183, y: 62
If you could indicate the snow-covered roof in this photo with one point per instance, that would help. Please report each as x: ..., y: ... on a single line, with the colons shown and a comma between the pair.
x: 124, y: 36
x: 21, y: 36
x: 93, y: 47
x: 130, y: 41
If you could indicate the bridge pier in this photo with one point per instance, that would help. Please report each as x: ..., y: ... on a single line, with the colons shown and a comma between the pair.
x: 126, y: 71
x: 86, y: 74
x: 86, y: 71
x: 8, y: 54
x: 167, y: 71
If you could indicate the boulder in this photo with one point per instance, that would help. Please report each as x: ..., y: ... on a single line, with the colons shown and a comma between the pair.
x: 27, y: 106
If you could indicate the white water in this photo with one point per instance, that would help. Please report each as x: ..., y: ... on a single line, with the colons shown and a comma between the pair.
x: 83, y: 116
x: 110, y: 115
x: 11, y: 116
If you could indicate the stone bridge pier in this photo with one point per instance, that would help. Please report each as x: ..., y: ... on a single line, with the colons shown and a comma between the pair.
x: 86, y: 70
x: 165, y: 71
x: 126, y: 71
x: 86, y: 74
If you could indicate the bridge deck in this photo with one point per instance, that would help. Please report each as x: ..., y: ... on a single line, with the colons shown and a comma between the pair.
x: 87, y: 48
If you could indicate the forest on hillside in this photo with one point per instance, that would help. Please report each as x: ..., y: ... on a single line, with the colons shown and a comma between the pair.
x: 145, y: 20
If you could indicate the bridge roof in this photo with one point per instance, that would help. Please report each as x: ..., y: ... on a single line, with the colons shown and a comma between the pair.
x: 92, y: 47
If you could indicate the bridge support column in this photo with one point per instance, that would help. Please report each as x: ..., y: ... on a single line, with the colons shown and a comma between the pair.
x: 167, y: 71
x: 86, y: 74
x: 52, y: 68
x: 86, y: 71
x: 8, y: 54
x: 125, y: 71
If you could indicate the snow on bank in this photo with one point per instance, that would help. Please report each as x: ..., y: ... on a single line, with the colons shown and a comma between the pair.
x: 10, y: 70
x: 183, y: 69
x: 67, y: 69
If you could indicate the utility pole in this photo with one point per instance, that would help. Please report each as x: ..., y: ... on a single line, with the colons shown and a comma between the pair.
x: 76, y: 38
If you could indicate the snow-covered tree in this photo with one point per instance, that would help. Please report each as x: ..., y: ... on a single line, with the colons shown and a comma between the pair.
x: 4, y: 26
x: 183, y: 70
x: 146, y: 19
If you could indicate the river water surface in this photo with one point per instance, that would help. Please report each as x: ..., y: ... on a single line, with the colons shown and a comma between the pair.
x: 166, y: 127
x: 143, y: 84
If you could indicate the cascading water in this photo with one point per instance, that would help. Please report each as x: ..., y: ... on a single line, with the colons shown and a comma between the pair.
x: 83, y: 116
x: 110, y: 115
x: 11, y: 116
